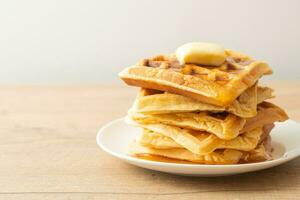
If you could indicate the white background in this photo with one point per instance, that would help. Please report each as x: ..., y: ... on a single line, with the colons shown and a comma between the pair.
x: 83, y: 42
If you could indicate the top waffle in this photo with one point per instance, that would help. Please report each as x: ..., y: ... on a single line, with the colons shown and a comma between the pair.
x: 216, y: 85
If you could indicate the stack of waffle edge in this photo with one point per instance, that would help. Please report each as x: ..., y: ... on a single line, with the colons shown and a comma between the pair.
x: 202, y: 114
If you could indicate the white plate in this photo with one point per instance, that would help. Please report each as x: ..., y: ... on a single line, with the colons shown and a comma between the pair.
x: 115, y: 137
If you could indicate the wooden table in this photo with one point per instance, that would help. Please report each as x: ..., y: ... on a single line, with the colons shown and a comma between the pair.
x: 48, y: 151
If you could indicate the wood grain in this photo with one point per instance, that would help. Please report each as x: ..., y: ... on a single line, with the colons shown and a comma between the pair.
x: 48, y: 151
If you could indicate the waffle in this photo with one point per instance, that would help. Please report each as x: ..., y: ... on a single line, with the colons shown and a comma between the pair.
x: 224, y: 125
x: 225, y: 156
x: 219, y: 85
x: 151, y: 101
x: 267, y: 114
x: 207, y: 142
x: 222, y: 157
x: 261, y: 153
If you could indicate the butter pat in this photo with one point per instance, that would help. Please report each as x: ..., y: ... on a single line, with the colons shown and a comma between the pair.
x: 201, y: 53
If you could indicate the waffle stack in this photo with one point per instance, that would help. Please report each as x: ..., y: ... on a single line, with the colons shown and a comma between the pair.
x: 202, y: 105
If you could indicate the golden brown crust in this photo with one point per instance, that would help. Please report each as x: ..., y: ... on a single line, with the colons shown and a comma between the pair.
x: 268, y: 113
x: 157, y: 86
x: 261, y: 153
x: 226, y: 127
x: 150, y: 101
x: 222, y: 157
x: 216, y: 92
x: 219, y: 157
x: 208, y: 142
